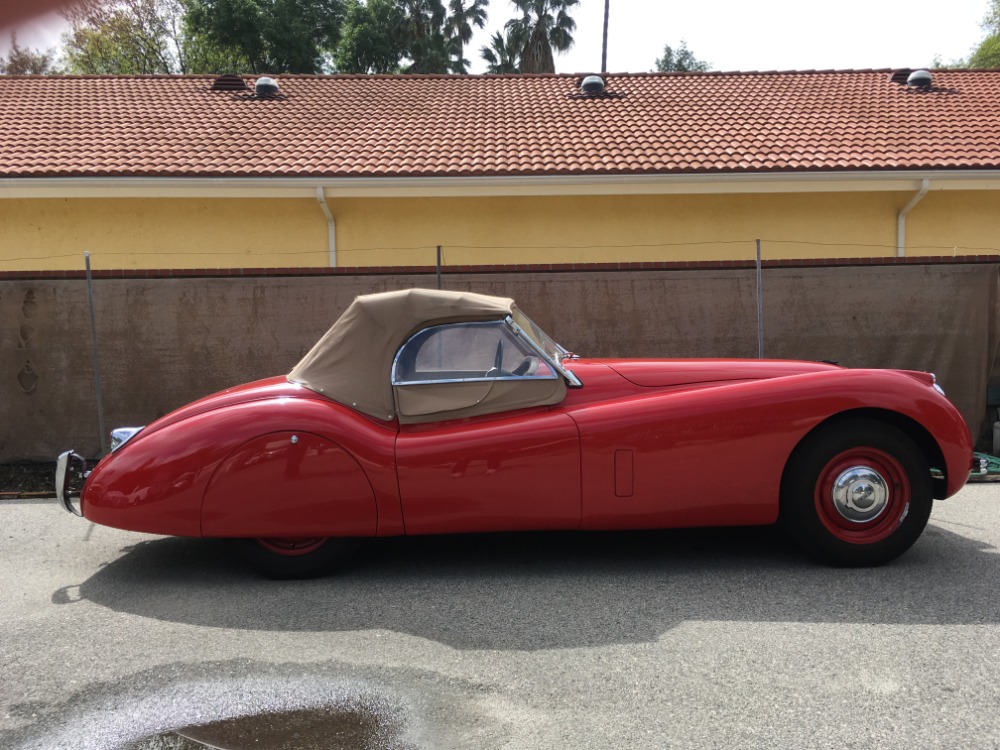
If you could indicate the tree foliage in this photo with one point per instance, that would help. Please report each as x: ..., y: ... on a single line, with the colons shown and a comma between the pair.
x: 991, y: 21
x: 408, y: 36
x: 987, y: 52
x: 271, y: 36
x: 372, y: 38
x: 463, y: 16
x: 22, y: 61
x: 545, y: 27
x: 435, y: 53
x: 504, y: 54
x: 681, y: 60
x: 125, y: 37
x: 138, y: 37
x: 424, y: 36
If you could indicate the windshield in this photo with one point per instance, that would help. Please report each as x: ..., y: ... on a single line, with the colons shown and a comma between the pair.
x: 525, y: 326
x: 542, y: 340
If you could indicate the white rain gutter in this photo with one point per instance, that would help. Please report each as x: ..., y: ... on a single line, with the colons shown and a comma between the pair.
x: 925, y: 185
x: 385, y: 187
x: 427, y: 187
x: 331, y: 226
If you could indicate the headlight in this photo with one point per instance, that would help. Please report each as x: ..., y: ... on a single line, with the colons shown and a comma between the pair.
x: 122, y: 435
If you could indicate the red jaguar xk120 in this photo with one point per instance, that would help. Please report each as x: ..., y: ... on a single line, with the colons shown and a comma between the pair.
x: 433, y: 412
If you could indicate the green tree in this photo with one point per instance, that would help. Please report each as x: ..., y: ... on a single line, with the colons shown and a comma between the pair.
x: 428, y: 46
x: 503, y: 55
x: 121, y: 37
x: 681, y: 60
x: 407, y: 36
x: 272, y: 36
x: 435, y: 52
x: 464, y: 15
x: 545, y: 26
x: 987, y: 54
x: 135, y: 37
x: 372, y: 39
x: 22, y: 61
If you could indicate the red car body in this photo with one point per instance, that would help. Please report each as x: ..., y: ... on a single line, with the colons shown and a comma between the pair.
x: 642, y: 444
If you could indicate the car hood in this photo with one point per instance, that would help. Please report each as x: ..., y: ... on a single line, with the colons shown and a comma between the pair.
x: 660, y: 373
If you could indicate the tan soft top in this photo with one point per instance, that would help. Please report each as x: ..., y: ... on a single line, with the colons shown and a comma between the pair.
x: 352, y: 363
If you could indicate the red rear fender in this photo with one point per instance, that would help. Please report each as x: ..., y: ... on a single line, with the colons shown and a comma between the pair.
x: 156, y: 482
x: 289, y: 484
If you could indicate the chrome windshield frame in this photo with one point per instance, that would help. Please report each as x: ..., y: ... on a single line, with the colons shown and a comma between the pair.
x: 555, y: 362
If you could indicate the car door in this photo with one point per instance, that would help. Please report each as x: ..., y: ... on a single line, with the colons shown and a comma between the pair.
x: 479, y: 449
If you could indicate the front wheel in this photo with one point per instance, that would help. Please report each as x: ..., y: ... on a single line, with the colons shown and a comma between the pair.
x: 299, y: 557
x: 856, y: 493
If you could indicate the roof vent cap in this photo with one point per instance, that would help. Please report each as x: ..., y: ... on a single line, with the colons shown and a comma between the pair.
x: 592, y: 85
x: 229, y: 82
x: 919, y: 79
x: 266, y: 86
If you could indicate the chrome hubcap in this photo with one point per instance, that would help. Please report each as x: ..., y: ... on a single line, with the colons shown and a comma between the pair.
x: 860, y: 494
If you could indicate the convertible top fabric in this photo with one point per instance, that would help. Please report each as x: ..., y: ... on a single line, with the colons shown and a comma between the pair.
x: 352, y: 363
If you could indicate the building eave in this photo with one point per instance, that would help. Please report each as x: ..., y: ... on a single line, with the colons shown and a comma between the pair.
x: 560, y: 185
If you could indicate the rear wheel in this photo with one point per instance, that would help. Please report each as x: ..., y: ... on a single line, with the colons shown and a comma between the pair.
x: 856, y: 493
x: 297, y: 557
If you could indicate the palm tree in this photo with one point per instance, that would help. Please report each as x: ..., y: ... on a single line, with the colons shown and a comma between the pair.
x: 462, y: 19
x: 435, y: 53
x: 423, y: 32
x: 422, y: 18
x: 503, y: 55
x: 545, y: 25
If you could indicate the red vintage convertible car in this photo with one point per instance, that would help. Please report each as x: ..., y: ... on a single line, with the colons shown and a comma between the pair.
x: 433, y: 412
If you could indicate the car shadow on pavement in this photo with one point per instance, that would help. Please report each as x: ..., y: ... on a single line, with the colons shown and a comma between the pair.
x: 553, y: 590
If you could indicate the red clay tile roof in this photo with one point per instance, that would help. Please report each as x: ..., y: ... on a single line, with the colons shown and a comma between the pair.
x: 363, y: 126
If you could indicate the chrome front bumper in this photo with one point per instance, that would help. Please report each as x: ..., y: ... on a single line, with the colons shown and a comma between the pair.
x: 71, y: 470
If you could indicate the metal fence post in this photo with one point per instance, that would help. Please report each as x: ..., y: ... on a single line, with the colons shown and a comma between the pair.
x: 97, y: 362
x: 760, y: 309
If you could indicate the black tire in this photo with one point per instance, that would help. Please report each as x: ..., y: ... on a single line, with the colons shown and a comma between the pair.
x: 284, y: 559
x: 834, y: 505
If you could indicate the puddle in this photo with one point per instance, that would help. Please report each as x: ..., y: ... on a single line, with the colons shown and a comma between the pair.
x: 302, y: 729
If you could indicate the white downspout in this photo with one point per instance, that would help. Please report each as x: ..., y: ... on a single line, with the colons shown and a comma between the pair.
x: 925, y: 185
x: 331, y: 227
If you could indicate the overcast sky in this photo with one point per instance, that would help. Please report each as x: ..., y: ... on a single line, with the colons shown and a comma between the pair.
x: 765, y: 34
x: 729, y: 34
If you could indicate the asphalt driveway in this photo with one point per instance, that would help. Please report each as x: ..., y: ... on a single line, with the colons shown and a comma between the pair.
x: 681, y: 639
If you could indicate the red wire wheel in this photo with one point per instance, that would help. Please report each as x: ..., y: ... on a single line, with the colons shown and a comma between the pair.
x: 856, y: 492
x: 292, y: 547
x: 862, y: 494
x: 297, y: 557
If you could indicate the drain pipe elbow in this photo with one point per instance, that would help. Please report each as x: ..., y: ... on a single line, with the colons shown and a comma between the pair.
x: 925, y: 185
x: 331, y: 227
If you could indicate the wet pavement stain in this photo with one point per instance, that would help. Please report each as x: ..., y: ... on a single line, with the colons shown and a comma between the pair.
x: 303, y: 729
x: 399, y: 708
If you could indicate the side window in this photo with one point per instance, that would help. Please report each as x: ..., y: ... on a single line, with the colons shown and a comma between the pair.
x: 467, y: 351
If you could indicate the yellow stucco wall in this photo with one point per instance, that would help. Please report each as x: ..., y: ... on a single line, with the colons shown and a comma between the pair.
x: 611, y: 228
x: 45, y: 234
x: 955, y: 223
x: 53, y: 233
